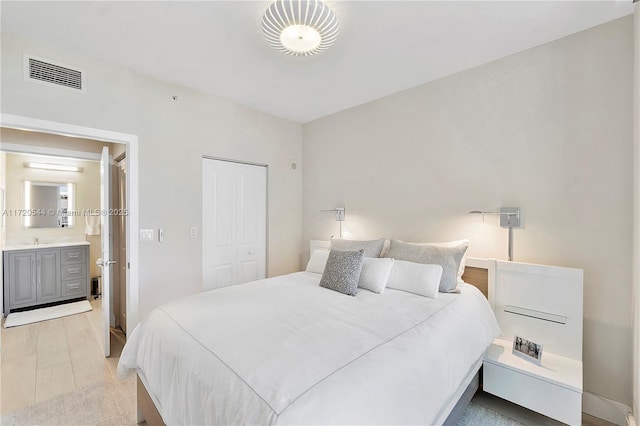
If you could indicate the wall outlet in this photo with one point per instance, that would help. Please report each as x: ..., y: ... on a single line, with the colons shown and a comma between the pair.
x: 146, y: 235
x: 194, y: 232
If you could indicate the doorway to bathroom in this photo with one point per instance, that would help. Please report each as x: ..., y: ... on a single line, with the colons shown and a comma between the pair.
x: 122, y: 305
x: 63, y: 360
x: 42, y: 173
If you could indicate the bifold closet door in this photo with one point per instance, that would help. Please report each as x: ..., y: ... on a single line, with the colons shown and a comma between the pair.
x: 234, y: 219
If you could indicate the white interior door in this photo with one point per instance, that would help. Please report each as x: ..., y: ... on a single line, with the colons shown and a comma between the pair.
x: 234, y: 206
x: 122, y: 268
x: 105, y: 235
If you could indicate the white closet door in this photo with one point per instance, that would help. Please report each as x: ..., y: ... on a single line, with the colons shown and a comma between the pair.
x: 251, y: 225
x: 233, y: 223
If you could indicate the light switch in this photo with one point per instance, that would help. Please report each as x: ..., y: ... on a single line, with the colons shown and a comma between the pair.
x: 161, y: 234
x: 146, y: 235
x: 194, y: 232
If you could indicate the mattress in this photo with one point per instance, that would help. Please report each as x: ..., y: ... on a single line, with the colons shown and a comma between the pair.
x: 285, y: 351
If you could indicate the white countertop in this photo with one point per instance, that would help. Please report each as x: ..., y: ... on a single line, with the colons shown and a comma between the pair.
x: 46, y: 245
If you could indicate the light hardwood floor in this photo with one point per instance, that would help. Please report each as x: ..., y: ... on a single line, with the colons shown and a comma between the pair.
x: 59, y: 361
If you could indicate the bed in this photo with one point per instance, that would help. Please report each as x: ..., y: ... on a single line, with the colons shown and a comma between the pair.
x: 286, y: 351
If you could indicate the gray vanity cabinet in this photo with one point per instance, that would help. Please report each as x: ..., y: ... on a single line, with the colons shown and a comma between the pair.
x: 74, y: 271
x: 48, y: 275
x: 38, y: 276
x: 20, y: 277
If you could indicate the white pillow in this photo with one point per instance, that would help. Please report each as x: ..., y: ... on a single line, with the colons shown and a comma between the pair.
x: 318, y: 261
x: 375, y: 273
x: 463, y: 261
x: 416, y: 278
x: 371, y: 248
x: 385, y: 249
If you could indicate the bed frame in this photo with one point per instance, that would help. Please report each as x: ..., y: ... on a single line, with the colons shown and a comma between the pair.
x: 147, y: 411
x: 477, y: 272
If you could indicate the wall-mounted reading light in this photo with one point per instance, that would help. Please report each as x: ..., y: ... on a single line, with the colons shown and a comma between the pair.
x: 509, y: 218
x: 56, y: 167
x: 340, y: 214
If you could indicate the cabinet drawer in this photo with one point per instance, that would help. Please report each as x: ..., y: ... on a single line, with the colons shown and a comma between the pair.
x: 73, y: 255
x: 74, y: 288
x: 72, y: 272
x: 538, y: 395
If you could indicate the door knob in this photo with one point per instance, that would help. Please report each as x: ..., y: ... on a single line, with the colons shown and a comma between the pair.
x: 102, y: 263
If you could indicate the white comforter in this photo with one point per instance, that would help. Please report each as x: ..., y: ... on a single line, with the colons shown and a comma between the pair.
x: 286, y: 351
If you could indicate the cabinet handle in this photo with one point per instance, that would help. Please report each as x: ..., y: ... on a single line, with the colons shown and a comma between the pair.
x: 38, y: 271
x: 74, y: 256
x: 33, y: 279
x: 73, y: 286
x: 73, y: 271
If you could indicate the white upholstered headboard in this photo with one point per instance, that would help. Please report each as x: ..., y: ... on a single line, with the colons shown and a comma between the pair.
x: 318, y: 244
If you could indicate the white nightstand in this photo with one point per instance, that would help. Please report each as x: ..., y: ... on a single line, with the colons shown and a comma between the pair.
x: 553, y: 388
x: 542, y: 304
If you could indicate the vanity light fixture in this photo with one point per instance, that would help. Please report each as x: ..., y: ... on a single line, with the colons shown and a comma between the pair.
x: 509, y: 218
x: 56, y: 167
x: 27, y: 202
x: 71, y: 201
x: 300, y: 27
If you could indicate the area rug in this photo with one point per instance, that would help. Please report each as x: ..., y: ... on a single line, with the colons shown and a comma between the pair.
x: 114, y: 404
x: 477, y: 415
x: 43, y: 314
x: 110, y: 403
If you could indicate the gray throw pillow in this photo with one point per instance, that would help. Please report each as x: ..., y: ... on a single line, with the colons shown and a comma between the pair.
x: 371, y: 248
x: 447, y: 257
x: 343, y: 271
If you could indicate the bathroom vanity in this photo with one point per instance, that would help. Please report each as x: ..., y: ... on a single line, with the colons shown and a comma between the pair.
x: 41, y: 274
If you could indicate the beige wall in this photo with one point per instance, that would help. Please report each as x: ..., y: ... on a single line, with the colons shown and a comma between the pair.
x: 173, y: 137
x: 87, y: 197
x: 548, y: 129
x: 636, y: 213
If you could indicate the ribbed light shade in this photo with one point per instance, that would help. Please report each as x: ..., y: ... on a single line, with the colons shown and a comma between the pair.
x: 300, y: 27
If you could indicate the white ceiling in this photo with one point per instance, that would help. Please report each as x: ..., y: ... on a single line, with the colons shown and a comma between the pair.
x: 385, y: 46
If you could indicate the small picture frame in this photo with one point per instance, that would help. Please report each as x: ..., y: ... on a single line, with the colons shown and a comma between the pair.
x: 527, y: 349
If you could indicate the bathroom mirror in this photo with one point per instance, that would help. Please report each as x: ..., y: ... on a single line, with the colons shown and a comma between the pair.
x: 48, y: 204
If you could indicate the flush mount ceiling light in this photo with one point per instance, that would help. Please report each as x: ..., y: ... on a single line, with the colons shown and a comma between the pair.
x: 300, y: 27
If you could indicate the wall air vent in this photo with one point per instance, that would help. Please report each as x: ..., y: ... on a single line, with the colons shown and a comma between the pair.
x: 51, y: 73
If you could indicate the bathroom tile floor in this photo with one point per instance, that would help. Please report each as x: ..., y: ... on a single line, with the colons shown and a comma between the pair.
x: 54, y: 372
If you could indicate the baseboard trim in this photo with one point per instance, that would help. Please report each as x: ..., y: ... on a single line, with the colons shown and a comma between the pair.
x: 607, y: 409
